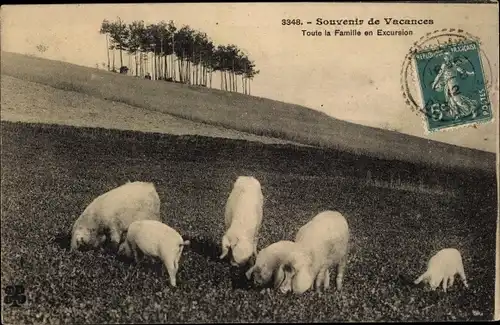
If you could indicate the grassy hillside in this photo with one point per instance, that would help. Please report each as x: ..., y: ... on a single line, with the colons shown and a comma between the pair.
x: 50, y: 173
x: 31, y: 102
x: 244, y: 113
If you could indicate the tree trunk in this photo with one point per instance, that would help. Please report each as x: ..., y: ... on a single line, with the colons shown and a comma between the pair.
x: 185, y: 65
x: 199, y: 71
x: 136, y: 64
x: 165, y: 70
x: 121, y: 57
x: 197, y: 74
x: 209, y: 70
x: 107, y: 50
x: 159, y: 66
x: 156, y: 65
x: 180, y: 70
x: 232, y: 77
x: 129, y: 63
x: 172, y: 66
x: 173, y: 62
x: 140, y: 64
x: 153, y: 65
x: 192, y: 67
x: 114, y: 60
x: 163, y: 66
x: 204, y: 75
x: 159, y: 63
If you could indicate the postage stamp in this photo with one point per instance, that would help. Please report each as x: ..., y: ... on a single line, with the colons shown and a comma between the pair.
x: 448, y: 74
x: 452, y: 86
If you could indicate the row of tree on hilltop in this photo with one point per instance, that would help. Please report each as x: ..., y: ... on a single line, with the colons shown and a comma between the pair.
x: 184, y: 55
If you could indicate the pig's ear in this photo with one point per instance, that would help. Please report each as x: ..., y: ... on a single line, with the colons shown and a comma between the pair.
x: 302, y: 279
x: 123, y: 236
x: 249, y: 272
x: 279, y: 276
x: 288, y: 267
x: 186, y: 243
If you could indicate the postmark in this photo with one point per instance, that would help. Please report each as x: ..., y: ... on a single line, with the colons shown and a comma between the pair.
x: 447, y: 78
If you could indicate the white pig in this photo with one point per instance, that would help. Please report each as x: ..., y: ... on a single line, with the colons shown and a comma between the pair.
x: 111, y: 213
x: 156, y: 240
x: 243, y: 218
x: 442, y: 267
x: 321, y: 243
x: 267, y: 262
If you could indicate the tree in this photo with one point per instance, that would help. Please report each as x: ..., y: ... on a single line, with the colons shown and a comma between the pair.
x: 208, y: 58
x: 165, y: 34
x: 119, y: 34
x: 241, y: 66
x: 105, y: 29
x: 152, y: 44
x: 217, y: 63
x: 135, y: 35
x: 249, y: 74
x: 232, y: 53
x: 197, y: 57
x: 146, y: 41
x: 183, y: 48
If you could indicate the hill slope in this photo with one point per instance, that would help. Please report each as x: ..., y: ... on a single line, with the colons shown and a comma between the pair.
x: 31, y: 102
x: 244, y: 113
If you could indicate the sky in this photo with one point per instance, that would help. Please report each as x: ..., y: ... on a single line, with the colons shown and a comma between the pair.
x: 356, y: 79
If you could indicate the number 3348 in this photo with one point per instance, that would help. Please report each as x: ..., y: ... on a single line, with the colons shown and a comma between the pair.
x: 291, y: 22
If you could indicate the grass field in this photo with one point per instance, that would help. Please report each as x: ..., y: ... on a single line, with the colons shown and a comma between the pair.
x: 244, y: 113
x: 49, y: 175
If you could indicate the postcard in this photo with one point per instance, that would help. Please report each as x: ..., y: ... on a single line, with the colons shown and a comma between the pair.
x: 249, y: 162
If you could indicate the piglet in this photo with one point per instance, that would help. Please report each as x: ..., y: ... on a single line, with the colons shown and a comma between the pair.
x: 442, y: 268
x: 156, y: 240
